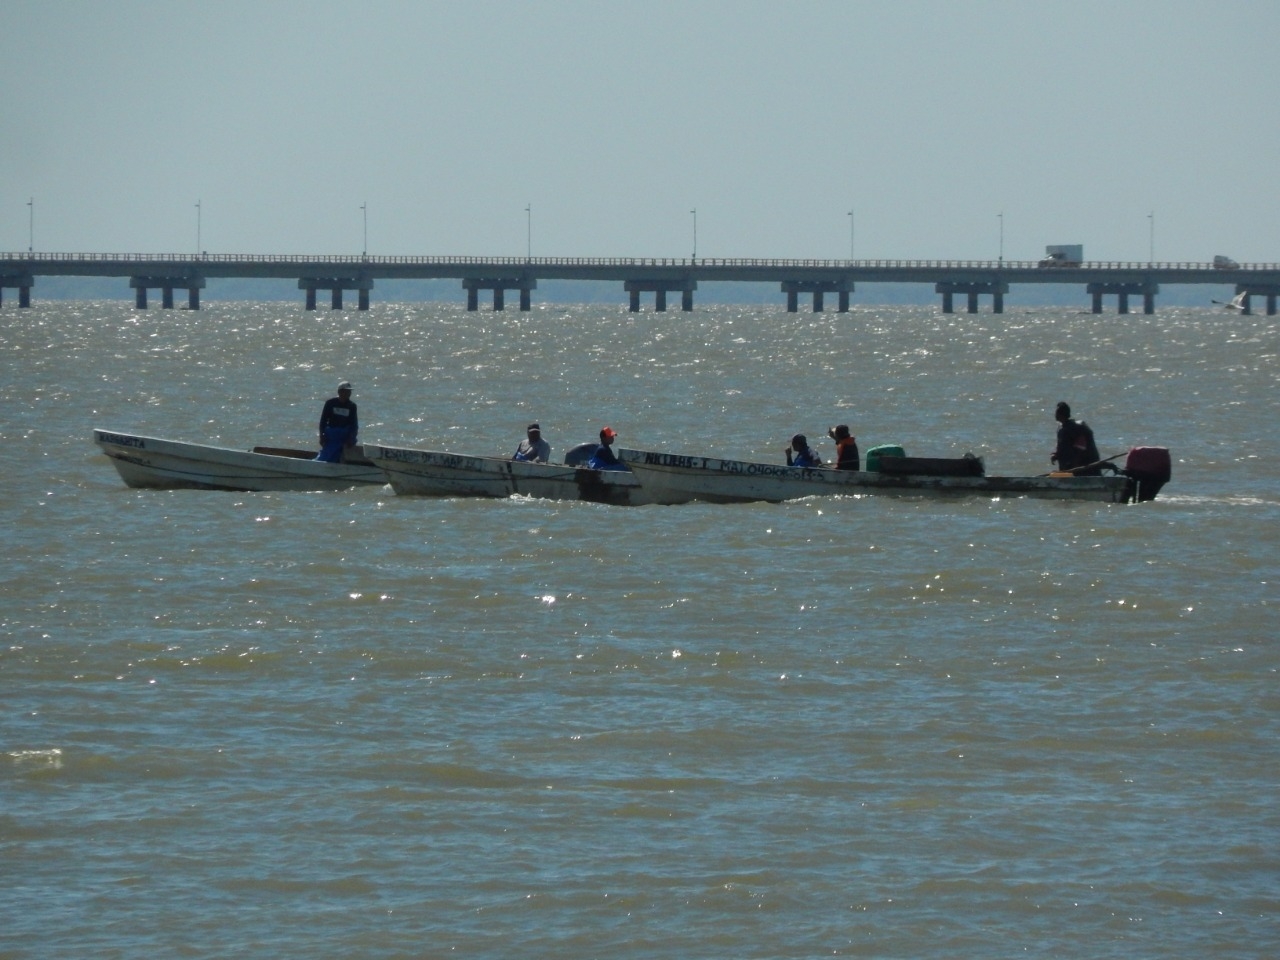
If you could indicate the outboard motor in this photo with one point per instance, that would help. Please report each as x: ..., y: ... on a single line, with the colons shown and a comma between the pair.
x: 1148, y: 469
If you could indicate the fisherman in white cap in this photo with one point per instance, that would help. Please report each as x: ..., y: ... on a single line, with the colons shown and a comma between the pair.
x: 533, y: 447
x: 338, y: 425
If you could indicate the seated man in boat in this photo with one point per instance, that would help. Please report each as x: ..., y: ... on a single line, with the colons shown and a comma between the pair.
x: 339, y: 425
x: 1075, y: 449
x: 804, y: 457
x: 846, y: 447
x: 533, y: 447
x: 604, y: 458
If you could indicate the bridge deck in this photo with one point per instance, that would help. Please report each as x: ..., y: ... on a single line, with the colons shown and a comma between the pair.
x: 624, y: 268
x: 969, y: 278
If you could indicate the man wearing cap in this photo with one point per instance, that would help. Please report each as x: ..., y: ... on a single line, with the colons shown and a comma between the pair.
x: 534, y: 447
x: 604, y: 457
x: 338, y: 425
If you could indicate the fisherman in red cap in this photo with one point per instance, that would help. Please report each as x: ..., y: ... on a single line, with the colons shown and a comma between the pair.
x: 604, y: 457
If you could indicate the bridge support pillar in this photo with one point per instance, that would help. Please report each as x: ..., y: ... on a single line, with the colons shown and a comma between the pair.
x: 23, y: 283
x: 660, y: 288
x: 499, y: 286
x: 819, y: 289
x: 166, y: 285
x: 996, y: 289
x: 335, y: 286
x: 1122, y: 292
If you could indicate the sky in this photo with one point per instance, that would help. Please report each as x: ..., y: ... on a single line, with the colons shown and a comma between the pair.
x: 903, y: 129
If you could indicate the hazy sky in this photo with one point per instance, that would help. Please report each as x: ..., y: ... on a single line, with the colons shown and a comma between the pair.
x: 613, y: 121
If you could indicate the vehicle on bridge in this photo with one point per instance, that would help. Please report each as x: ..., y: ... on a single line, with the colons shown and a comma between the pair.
x: 1063, y: 255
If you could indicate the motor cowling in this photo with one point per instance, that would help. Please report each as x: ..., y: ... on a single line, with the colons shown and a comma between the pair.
x: 1150, y: 469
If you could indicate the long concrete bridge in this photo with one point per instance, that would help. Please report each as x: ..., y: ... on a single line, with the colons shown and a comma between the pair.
x: 969, y: 279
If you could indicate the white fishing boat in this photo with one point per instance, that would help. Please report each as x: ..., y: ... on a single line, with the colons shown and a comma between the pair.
x: 167, y: 464
x: 675, y: 478
x: 433, y: 473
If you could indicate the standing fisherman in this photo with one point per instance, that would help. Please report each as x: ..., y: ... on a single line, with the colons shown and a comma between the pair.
x: 339, y: 425
x: 1075, y: 449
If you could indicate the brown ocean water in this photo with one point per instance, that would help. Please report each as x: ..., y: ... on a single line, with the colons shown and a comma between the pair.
x: 352, y: 725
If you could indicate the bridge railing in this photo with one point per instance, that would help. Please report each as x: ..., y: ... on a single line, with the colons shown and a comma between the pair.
x: 143, y: 259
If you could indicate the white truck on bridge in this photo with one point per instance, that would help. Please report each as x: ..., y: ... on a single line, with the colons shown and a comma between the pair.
x: 1063, y: 255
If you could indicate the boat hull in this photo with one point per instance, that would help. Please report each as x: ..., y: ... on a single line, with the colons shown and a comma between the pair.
x: 433, y: 473
x: 153, y: 463
x: 672, y: 478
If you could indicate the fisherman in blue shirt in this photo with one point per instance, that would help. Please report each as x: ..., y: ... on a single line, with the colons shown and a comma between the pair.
x: 339, y: 425
x: 804, y: 457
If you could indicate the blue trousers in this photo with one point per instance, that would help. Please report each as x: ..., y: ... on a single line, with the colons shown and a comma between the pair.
x: 335, y: 440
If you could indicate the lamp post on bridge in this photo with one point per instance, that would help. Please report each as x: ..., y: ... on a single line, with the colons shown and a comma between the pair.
x: 694, y: 211
x: 528, y: 232
x: 31, y: 225
x: 850, y: 235
x: 1000, y: 215
x: 364, y: 211
x: 1151, y: 248
x: 197, y: 228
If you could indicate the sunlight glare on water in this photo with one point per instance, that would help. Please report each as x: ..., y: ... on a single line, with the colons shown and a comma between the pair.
x: 342, y: 724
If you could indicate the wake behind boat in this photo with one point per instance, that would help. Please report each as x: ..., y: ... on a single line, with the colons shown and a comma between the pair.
x: 433, y: 473
x: 168, y: 464
x: 674, y: 478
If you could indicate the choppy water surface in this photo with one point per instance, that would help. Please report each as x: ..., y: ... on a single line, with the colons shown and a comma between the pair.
x: 333, y: 725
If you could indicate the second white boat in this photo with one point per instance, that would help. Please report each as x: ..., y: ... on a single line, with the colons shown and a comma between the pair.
x: 434, y: 473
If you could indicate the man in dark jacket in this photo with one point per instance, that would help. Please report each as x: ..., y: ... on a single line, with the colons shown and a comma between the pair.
x: 338, y: 425
x: 1075, y: 448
